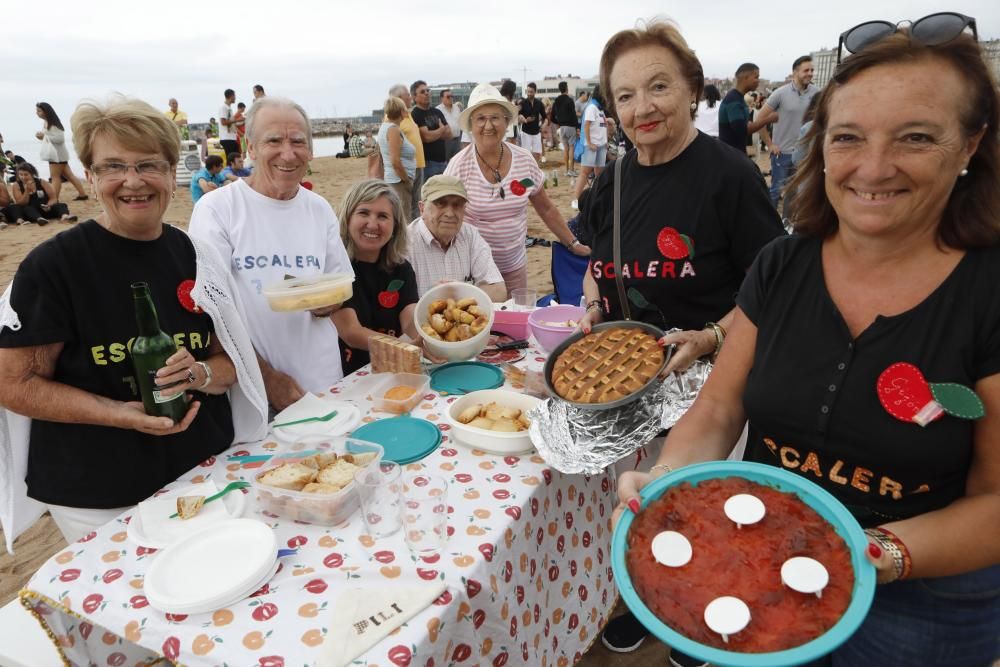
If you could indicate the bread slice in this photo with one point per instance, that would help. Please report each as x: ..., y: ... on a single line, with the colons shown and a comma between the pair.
x: 360, y: 460
x: 288, y: 476
x: 340, y: 474
x: 189, y: 506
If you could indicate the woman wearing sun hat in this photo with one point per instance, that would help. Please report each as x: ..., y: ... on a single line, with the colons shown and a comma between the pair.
x: 501, y: 179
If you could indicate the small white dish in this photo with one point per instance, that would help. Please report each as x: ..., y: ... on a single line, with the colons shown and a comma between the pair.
x: 233, y: 503
x: 348, y: 416
x: 493, y: 442
x: 212, y: 568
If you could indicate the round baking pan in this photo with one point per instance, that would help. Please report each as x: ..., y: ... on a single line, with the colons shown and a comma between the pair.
x: 577, y: 335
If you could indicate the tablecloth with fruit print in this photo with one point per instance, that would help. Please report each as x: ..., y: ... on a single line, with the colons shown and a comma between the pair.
x: 527, y: 568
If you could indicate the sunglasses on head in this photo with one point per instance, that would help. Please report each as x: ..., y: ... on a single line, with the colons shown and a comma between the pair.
x: 931, y: 30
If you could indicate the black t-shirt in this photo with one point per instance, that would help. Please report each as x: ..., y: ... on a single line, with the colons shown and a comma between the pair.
x: 564, y: 111
x: 75, y: 289
x: 811, y: 395
x: 531, y: 108
x: 379, y: 298
x: 708, y: 194
x: 432, y: 119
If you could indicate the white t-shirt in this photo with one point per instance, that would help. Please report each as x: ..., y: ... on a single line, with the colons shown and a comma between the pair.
x: 452, y: 117
x: 226, y: 132
x: 707, y: 119
x: 263, y: 239
x: 598, y: 125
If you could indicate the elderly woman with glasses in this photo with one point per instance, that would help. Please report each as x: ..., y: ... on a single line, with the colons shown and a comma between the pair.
x: 66, y: 326
x: 888, y: 284
x: 501, y: 179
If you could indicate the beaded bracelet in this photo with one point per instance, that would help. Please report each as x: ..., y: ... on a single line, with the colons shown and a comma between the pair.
x: 595, y: 302
x: 901, y: 561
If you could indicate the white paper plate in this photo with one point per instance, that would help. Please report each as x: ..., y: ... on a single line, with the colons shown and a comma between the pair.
x: 234, y: 503
x: 348, y: 416
x: 205, y: 571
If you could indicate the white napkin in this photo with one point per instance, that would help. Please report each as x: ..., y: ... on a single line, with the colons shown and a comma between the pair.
x: 311, y: 405
x: 362, y: 617
x: 155, y: 513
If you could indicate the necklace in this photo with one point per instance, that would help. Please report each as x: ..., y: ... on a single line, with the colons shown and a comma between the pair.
x: 496, y: 170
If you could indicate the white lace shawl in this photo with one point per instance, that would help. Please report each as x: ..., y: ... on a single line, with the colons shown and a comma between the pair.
x: 213, y: 292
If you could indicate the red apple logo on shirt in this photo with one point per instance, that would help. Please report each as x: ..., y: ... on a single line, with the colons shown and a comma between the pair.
x: 674, y: 245
x: 389, y: 298
x: 184, y: 296
x: 520, y: 187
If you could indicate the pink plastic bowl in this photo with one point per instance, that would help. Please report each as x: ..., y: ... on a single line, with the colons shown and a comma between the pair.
x: 547, y: 336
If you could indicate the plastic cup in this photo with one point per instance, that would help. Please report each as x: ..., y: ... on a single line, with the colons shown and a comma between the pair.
x: 524, y: 299
x: 379, y: 490
x: 425, y: 514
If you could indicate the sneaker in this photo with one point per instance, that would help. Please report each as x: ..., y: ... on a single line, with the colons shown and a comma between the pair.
x: 81, y: 198
x: 25, y: 222
x: 3, y: 225
x: 41, y: 222
x: 624, y: 634
x: 683, y: 660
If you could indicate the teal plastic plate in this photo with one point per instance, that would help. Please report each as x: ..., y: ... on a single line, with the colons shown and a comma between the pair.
x: 817, y: 498
x: 465, y: 377
x: 405, y: 439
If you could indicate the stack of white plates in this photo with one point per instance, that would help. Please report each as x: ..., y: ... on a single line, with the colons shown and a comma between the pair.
x: 213, y: 568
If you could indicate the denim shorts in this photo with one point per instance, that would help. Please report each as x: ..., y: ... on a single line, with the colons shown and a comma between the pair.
x: 595, y: 158
x: 939, y: 622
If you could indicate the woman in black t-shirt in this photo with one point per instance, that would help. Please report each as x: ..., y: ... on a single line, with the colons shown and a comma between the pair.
x: 694, y: 213
x: 32, y: 197
x: 70, y: 321
x: 890, y: 284
x: 385, y: 288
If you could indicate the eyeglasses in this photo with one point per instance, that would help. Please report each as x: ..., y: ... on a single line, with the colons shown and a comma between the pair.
x: 931, y: 30
x: 493, y: 119
x: 144, y: 169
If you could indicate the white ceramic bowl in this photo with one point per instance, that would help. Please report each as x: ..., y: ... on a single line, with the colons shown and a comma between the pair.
x: 461, y: 350
x: 494, y: 442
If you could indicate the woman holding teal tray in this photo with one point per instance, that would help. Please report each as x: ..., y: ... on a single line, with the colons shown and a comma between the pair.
x: 865, y: 351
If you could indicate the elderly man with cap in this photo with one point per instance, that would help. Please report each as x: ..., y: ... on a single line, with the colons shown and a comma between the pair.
x: 442, y: 249
x: 267, y: 227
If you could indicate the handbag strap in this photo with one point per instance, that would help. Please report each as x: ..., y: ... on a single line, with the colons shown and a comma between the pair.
x: 617, y: 247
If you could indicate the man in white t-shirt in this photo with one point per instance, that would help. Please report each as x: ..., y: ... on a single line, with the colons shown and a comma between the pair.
x: 269, y: 228
x: 227, y: 131
x: 442, y: 248
x: 452, y: 110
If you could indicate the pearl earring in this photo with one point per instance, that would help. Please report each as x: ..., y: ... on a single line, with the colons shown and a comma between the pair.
x: 694, y: 106
x: 964, y: 172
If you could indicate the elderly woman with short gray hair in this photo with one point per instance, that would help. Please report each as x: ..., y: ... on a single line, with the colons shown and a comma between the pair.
x: 501, y: 179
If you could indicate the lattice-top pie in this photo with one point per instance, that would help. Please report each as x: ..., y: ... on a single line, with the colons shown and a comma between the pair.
x: 607, y: 365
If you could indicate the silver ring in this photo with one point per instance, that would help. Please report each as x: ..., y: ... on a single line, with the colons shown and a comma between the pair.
x: 190, y: 377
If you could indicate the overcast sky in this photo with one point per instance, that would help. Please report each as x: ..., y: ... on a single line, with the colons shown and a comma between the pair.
x: 340, y: 63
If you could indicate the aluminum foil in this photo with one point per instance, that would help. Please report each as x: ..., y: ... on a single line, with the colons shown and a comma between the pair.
x: 572, y: 440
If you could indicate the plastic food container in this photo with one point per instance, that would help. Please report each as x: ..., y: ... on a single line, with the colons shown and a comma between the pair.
x: 308, y: 293
x: 323, y: 509
x: 549, y: 336
x: 494, y: 442
x: 461, y: 350
x: 420, y: 383
x: 514, y: 324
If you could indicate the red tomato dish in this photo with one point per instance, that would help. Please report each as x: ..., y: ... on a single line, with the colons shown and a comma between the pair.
x: 744, y: 562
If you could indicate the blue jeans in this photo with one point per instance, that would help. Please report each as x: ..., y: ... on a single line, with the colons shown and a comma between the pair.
x: 941, y: 622
x: 433, y: 169
x: 781, y: 171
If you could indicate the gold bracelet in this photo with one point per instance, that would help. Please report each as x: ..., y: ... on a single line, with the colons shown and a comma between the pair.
x: 888, y: 545
x: 666, y: 468
x: 720, y: 337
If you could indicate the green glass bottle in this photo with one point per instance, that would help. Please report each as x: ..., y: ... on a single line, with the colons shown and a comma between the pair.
x: 150, y: 351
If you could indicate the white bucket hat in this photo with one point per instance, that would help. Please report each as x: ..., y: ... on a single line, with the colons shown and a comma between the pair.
x: 482, y: 94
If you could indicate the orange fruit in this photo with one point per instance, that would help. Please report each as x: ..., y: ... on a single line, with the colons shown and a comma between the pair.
x: 471, y: 494
x: 119, y: 537
x: 486, y: 465
x: 447, y: 466
x: 299, y: 571
x: 463, y: 561
x: 253, y: 640
x: 222, y: 617
x: 481, y: 513
x: 366, y: 540
x: 327, y: 541
x: 531, y: 480
x: 475, y: 530
x: 433, y: 627
x: 109, y: 638
x: 136, y: 583
x: 111, y: 556
x: 202, y: 645
x: 390, y: 571
x: 487, y: 646
x: 197, y: 479
x: 64, y: 557
x: 309, y: 610
x: 312, y: 637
